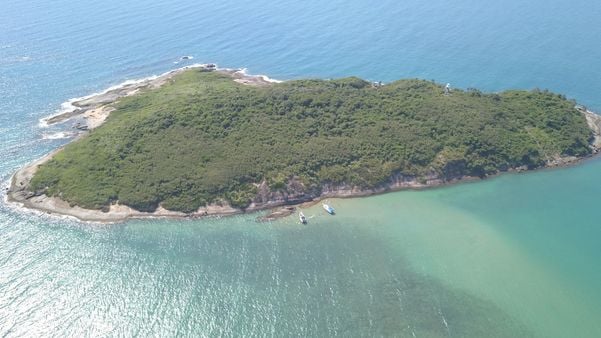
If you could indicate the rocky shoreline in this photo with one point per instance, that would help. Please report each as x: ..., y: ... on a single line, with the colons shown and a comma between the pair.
x: 94, y: 109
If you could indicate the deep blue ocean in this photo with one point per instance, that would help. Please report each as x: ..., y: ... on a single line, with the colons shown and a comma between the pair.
x: 522, y: 251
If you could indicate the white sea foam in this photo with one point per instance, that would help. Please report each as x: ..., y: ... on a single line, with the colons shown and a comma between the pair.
x: 21, y: 208
x: 68, y: 106
x: 244, y: 71
x: 58, y: 135
x: 268, y: 79
x: 5, y: 187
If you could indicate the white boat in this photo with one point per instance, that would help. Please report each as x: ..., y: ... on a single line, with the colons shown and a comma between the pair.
x: 302, y: 218
x: 328, y: 209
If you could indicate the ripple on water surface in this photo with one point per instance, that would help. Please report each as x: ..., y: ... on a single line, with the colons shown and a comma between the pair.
x: 228, y: 277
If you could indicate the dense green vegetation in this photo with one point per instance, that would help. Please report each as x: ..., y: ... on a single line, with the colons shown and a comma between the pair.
x: 203, y: 138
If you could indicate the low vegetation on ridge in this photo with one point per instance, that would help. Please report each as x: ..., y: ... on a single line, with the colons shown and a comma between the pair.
x: 203, y: 138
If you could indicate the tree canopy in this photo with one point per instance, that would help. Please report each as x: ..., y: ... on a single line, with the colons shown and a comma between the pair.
x: 203, y: 137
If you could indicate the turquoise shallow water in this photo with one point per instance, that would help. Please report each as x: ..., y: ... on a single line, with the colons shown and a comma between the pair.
x: 512, y: 256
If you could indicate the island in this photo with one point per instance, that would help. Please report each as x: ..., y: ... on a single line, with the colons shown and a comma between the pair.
x: 205, y: 141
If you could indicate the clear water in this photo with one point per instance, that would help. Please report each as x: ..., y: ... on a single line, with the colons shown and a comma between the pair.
x: 512, y: 256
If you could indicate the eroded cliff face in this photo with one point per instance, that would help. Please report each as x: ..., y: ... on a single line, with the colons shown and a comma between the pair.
x: 594, y: 122
x: 294, y: 192
x: 451, y: 171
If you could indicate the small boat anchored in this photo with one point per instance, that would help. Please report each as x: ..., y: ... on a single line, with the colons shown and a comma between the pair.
x: 302, y: 218
x: 328, y: 209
